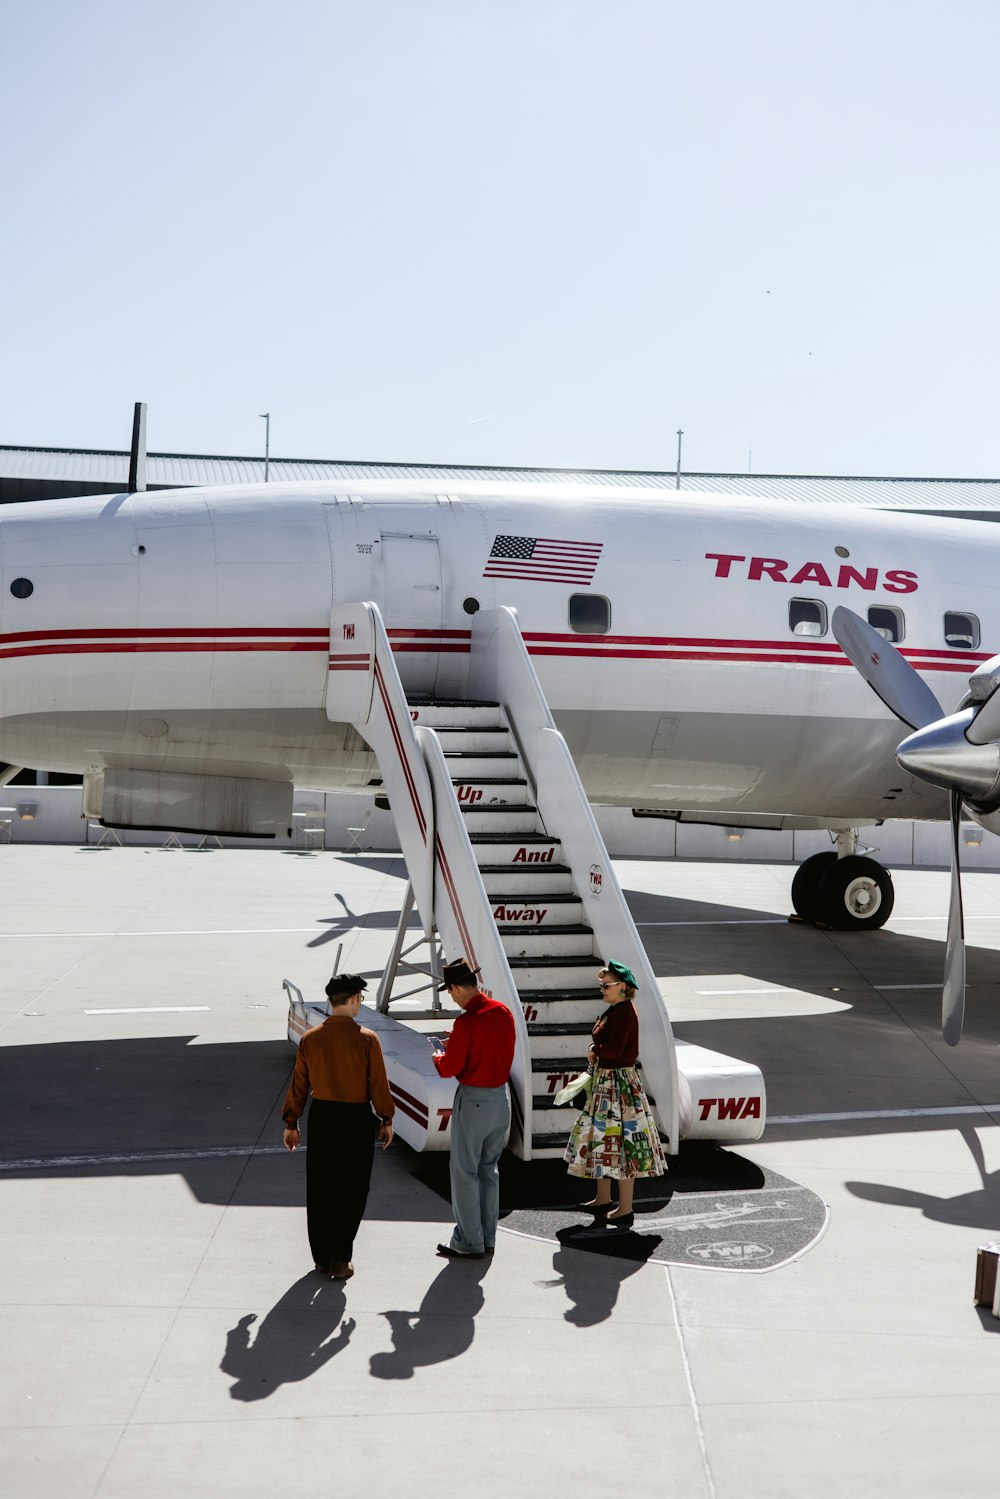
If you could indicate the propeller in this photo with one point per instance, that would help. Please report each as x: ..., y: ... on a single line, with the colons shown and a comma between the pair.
x: 888, y: 673
x: 955, y: 752
x: 953, y: 990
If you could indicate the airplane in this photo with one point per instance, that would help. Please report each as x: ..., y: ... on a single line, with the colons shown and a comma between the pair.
x: 176, y: 648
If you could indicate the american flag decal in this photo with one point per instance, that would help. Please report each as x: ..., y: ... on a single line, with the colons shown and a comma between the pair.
x: 543, y: 560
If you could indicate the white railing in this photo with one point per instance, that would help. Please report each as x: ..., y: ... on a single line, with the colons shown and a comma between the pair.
x: 440, y: 860
x: 467, y: 926
x: 501, y: 670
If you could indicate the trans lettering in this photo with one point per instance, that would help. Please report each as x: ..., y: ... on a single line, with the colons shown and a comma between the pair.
x: 895, y: 580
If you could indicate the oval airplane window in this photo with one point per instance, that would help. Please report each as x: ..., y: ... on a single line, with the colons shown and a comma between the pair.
x: 961, y: 631
x: 22, y: 588
x: 807, y: 617
x: 888, y: 622
x: 589, y: 613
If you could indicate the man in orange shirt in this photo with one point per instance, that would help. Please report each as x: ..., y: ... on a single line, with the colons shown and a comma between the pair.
x: 341, y: 1063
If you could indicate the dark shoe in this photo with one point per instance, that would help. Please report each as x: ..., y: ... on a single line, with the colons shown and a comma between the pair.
x: 459, y: 1254
x: 624, y: 1220
x: 490, y: 1249
x: 341, y: 1270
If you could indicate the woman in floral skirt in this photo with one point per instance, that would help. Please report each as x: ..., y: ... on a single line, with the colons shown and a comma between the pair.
x: 615, y: 1136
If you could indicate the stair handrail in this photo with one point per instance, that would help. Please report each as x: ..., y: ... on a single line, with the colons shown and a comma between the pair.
x: 468, y: 927
x: 500, y: 669
x: 440, y: 860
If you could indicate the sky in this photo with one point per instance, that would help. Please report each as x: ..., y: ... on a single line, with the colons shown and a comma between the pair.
x: 513, y: 232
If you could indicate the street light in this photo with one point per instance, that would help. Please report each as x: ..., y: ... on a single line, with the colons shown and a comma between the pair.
x: 265, y: 417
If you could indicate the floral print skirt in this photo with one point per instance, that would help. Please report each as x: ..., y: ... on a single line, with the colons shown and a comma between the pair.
x: 616, y: 1134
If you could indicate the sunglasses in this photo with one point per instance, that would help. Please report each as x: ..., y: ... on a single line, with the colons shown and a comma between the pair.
x: 611, y: 986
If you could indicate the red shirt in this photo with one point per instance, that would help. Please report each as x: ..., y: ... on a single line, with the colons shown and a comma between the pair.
x: 481, y: 1045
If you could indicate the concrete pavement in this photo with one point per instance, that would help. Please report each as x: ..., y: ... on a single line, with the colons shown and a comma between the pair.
x: 164, y: 1336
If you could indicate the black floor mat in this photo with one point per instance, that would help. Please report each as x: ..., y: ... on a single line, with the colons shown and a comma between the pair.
x: 713, y: 1209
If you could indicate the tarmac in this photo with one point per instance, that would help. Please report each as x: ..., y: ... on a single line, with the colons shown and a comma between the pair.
x: 163, y: 1332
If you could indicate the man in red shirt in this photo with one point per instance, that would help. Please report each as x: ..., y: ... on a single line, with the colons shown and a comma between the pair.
x: 479, y: 1053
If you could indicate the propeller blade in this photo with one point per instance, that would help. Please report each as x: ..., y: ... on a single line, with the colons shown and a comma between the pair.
x: 888, y: 673
x: 953, y: 992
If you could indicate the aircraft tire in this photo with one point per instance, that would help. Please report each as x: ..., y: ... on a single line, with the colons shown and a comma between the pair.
x: 856, y: 894
x: 806, y: 886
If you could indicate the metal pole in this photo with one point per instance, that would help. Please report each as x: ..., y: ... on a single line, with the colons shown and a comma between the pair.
x: 265, y: 417
x: 680, y: 434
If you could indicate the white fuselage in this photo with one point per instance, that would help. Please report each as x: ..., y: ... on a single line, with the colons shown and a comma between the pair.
x: 188, y: 630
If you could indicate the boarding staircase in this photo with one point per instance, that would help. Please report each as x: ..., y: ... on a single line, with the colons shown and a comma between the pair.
x: 551, y: 950
x: 507, y: 868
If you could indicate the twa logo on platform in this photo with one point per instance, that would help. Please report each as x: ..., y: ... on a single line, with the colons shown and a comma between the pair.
x: 730, y: 1108
x: 729, y: 1252
x: 596, y: 879
x: 348, y: 632
x: 896, y: 580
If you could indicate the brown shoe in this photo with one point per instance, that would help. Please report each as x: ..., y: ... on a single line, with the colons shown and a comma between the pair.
x: 342, y: 1270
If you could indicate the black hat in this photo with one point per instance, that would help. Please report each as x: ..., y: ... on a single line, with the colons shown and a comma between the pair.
x: 459, y: 972
x: 343, y: 985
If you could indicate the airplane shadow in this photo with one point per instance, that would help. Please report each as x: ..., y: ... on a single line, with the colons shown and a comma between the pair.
x: 302, y: 1332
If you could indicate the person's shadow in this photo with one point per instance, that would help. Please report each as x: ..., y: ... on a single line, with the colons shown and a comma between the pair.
x: 442, y: 1329
x: 591, y: 1267
x: 301, y: 1333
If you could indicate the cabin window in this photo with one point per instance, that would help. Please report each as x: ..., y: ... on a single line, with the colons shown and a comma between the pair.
x: 22, y: 588
x: 589, y: 613
x: 961, y: 631
x: 807, y: 617
x: 888, y: 622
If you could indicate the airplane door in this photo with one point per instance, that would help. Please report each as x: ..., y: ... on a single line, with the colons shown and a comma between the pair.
x: 411, y: 567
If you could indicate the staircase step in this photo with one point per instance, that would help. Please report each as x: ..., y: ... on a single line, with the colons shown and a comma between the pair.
x: 554, y: 972
x: 485, y: 741
x: 484, y: 819
x: 546, y: 911
x: 475, y: 793
x: 552, y: 1030
x: 516, y: 850
x: 548, y: 1146
x: 546, y: 942
x: 466, y: 765
x: 442, y: 712
x: 522, y: 882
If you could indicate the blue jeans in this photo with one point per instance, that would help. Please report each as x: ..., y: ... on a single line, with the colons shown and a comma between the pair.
x: 479, y: 1123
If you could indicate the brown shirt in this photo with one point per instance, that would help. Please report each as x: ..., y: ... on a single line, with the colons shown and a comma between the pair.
x: 339, y: 1061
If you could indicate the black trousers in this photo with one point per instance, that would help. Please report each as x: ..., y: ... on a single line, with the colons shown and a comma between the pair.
x: 340, y: 1149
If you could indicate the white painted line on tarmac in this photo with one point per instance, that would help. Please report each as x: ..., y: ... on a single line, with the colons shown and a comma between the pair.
x: 137, y: 1157
x: 234, y: 931
x: 949, y: 1109
x: 748, y: 991
x: 763, y: 921
x: 880, y: 987
x: 148, y: 1010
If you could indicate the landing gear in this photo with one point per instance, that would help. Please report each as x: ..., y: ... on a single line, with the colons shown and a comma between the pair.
x: 853, y: 894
